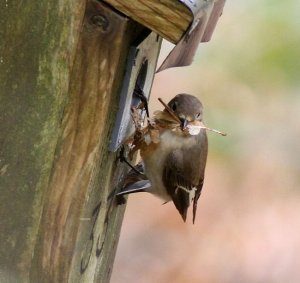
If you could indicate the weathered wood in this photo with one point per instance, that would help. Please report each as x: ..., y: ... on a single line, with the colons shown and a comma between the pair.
x: 168, y: 18
x: 60, y: 89
x: 38, y: 42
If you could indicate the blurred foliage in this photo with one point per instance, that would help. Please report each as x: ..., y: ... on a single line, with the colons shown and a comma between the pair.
x: 260, y: 42
x: 250, y: 77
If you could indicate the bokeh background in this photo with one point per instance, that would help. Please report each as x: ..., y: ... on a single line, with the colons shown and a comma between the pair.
x: 248, y: 221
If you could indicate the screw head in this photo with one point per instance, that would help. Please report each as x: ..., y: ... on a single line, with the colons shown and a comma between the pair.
x: 100, y: 21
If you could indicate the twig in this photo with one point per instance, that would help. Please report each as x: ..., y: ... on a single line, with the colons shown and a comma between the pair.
x: 216, y: 131
x: 171, y: 112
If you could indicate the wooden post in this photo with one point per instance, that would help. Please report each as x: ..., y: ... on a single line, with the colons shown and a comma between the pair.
x: 62, y: 66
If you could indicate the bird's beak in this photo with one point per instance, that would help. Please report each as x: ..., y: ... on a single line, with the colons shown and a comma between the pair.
x: 183, y: 123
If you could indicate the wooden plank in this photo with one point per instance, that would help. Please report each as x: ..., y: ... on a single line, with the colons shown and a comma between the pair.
x: 58, y: 104
x: 168, y: 18
x: 37, y: 50
x: 83, y: 165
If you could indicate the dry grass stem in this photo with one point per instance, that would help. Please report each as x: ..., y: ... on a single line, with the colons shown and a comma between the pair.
x: 171, y: 112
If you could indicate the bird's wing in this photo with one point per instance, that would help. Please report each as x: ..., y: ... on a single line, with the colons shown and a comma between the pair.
x: 135, y: 182
x: 183, y: 175
x: 136, y: 187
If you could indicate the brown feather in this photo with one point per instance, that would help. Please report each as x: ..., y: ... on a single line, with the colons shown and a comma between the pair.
x: 186, y: 167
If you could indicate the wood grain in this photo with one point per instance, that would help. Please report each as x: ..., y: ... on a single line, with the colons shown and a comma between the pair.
x: 168, y: 18
x: 37, y: 50
x: 81, y: 156
x: 61, y: 81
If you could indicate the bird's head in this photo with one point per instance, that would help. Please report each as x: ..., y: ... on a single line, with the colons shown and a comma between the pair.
x: 187, y: 108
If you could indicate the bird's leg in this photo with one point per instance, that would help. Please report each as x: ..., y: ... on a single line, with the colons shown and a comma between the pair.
x: 120, y: 196
x: 123, y: 158
x: 120, y: 199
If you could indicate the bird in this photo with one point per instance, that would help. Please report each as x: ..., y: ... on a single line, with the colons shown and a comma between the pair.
x: 173, y: 169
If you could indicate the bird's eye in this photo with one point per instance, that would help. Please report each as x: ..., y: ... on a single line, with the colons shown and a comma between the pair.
x: 174, y: 106
x: 198, y: 115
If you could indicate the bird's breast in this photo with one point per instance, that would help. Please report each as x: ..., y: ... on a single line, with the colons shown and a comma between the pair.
x: 154, y: 159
